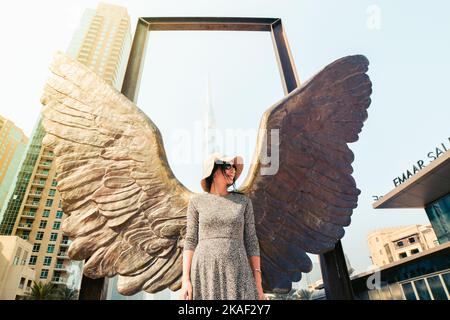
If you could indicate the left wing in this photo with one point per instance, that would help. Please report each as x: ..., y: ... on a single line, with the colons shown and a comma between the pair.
x: 126, y: 210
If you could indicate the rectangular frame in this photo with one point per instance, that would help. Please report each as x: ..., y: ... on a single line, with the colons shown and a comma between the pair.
x: 133, y: 74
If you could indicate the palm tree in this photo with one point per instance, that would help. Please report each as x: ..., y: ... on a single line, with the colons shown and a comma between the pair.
x: 41, y: 291
x: 303, y: 294
x: 300, y: 294
x: 65, y: 293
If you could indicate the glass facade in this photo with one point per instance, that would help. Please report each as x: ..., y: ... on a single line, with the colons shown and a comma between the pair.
x: 11, y: 209
x: 439, y: 214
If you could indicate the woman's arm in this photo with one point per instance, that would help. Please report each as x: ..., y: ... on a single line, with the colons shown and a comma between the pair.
x: 255, y: 263
x: 190, y: 243
x: 187, y: 260
x: 252, y: 247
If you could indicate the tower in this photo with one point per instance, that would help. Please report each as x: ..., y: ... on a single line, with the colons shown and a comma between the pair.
x: 33, y: 210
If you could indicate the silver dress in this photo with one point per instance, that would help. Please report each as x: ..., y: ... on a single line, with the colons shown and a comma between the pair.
x: 221, y: 231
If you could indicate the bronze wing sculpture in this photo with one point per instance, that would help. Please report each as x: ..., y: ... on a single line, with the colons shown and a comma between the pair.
x: 127, y: 212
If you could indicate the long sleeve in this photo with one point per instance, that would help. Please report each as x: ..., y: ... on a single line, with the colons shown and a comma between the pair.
x: 250, y: 239
x: 191, y: 228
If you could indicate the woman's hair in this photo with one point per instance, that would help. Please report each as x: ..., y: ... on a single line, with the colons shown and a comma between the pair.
x: 210, y: 179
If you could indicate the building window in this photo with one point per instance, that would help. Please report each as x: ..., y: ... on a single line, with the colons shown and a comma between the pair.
x: 439, y: 212
x: 47, y: 261
x: 60, y: 204
x: 22, y: 283
x: 50, y: 248
x: 33, y: 260
x: 414, y: 251
x: 437, y: 288
x: 44, y: 274
x: 412, y: 240
x: 56, y: 225
x: 53, y: 236
x: 402, y: 255
x: 17, y: 256
x: 36, y: 247
x: 46, y: 213
x: 42, y: 224
x: 39, y: 235
x: 51, y: 192
x: 24, y: 258
x: 400, y: 243
x: 49, y: 203
x: 54, y: 183
x: 59, y: 214
x: 422, y: 290
x: 409, y: 291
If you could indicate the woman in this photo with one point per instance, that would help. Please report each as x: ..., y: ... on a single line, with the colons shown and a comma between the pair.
x: 221, y: 258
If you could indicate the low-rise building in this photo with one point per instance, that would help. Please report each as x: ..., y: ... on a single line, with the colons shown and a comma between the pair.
x: 393, y: 244
x: 16, y: 277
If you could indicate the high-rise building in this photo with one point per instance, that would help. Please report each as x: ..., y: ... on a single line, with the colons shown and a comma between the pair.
x: 13, y: 143
x: 210, y: 130
x: 393, y: 244
x: 33, y: 210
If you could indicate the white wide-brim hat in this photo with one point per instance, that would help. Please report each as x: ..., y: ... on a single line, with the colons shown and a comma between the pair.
x: 216, y: 157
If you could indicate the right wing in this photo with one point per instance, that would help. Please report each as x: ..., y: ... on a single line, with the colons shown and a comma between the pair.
x: 306, y: 203
x: 126, y: 210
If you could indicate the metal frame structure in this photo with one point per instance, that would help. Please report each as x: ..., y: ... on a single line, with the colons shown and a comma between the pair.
x: 336, y: 278
x: 288, y: 72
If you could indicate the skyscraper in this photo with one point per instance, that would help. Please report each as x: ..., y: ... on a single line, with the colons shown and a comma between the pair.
x: 13, y: 143
x: 210, y: 130
x: 33, y: 211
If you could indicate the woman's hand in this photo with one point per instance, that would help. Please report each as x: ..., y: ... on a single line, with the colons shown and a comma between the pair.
x: 186, y: 290
x: 261, y: 295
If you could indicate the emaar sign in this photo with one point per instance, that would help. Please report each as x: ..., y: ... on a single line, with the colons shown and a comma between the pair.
x: 420, y: 164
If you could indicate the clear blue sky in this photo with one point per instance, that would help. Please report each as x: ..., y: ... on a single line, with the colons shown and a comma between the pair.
x: 407, y: 46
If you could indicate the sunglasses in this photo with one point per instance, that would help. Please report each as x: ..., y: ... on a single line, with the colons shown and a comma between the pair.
x: 228, y: 166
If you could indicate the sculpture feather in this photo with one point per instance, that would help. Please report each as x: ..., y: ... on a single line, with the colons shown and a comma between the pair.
x: 305, y: 206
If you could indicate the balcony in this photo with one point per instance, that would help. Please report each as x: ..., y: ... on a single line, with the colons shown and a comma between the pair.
x: 59, y: 280
x: 65, y: 243
x: 28, y: 214
x: 45, y: 165
x: 42, y: 174
x: 38, y: 184
x: 25, y: 226
x: 47, y: 155
x: 63, y: 255
x: 60, y: 267
x: 32, y: 204
x: 35, y: 194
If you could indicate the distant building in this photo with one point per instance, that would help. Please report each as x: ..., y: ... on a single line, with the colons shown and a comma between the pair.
x: 414, y: 273
x: 13, y: 143
x: 428, y: 189
x: 33, y: 210
x: 16, y: 277
x: 393, y: 244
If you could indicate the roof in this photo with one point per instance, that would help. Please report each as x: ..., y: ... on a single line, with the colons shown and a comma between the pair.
x: 428, y: 185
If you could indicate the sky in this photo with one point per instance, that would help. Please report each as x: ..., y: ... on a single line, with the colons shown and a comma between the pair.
x: 406, y: 43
